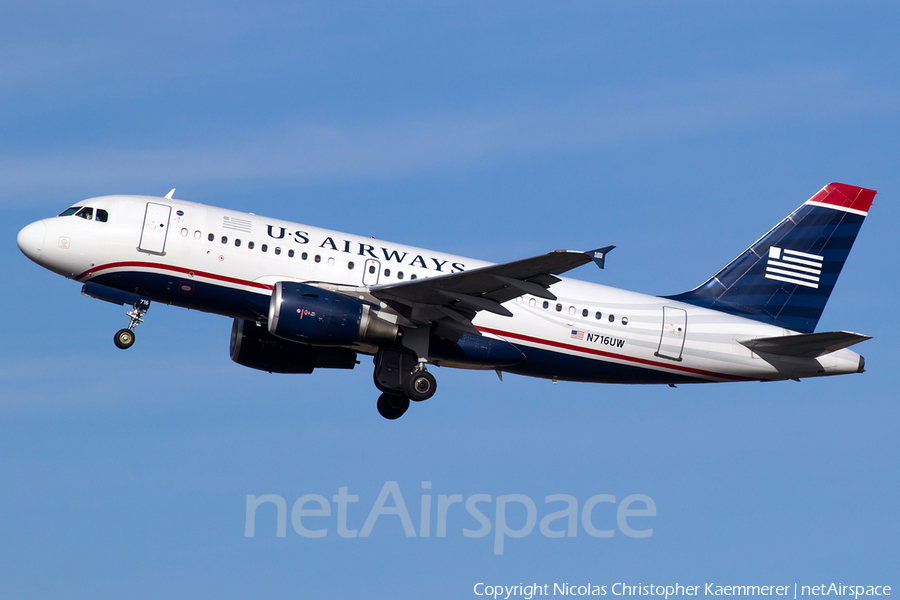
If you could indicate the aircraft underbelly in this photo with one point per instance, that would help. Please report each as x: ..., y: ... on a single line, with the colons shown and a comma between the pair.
x: 185, y: 293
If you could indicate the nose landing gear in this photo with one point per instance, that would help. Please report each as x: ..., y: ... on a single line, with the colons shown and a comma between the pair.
x: 124, y: 338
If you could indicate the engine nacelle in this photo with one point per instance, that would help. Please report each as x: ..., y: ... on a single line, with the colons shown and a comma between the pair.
x: 311, y: 315
x: 253, y: 346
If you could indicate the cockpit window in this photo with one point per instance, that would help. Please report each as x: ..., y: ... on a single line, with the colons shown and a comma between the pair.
x: 102, y: 215
x: 70, y: 211
x: 86, y: 213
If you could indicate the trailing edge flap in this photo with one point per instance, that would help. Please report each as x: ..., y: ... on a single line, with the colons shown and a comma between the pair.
x: 486, y: 288
x: 806, y: 345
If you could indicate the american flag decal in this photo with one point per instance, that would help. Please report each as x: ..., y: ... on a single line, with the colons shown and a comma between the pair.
x: 236, y: 224
x: 577, y: 335
x: 792, y: 266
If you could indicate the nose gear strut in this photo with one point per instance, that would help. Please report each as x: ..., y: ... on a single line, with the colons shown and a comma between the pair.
x: 124, y: 338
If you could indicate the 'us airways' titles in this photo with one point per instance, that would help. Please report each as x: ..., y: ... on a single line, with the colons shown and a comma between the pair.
x: 303, y: 298
x: 369, y: 251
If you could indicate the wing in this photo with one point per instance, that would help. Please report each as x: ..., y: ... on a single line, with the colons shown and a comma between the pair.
x: 453, y: 300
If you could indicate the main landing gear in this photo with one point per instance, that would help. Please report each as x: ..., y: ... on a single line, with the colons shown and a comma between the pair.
x: 124, y: 338
x: 392, y: 405
x: 401, y: 377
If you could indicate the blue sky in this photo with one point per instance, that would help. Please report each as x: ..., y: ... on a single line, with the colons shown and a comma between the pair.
x: 678, y: 131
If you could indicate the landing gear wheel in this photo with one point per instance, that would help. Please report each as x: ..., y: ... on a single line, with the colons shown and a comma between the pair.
x: 124, y: 339
x: 419, y: 386
x: 392, y: 406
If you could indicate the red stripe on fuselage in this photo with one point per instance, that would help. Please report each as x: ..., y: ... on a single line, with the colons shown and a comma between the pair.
x: 175, y: 269
x: 643, y: 361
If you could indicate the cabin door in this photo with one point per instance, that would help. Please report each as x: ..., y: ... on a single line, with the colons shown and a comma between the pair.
x: 674, y: 327
x: 156, y: 227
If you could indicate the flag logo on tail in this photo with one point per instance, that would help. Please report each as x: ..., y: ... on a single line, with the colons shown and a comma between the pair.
x: 792, y: 266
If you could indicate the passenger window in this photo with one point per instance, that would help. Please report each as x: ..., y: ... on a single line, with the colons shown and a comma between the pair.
x: 237, y: 243
x: 559, y: 308
x: 102, y: 215
x: 612, y: 318
x: 399, y: 274
x: 624, y: 320
x: 318, y: 258
x: 264, y: 248
x: 304, y: 255
x: 251, y: 245
x: 350, y: 265
x: 546, y: 304
x: 86, y: 213
x: 290, y: 253
x: 211, y: 237
x: 571, y: 310
x: 70, y: 211
x: 532, y: 302
x: 371, y: 269
x: 277, y: 250
x: 224, y: 239
x: 184, y: 230
x: 197, y: 235
x: 412, y: 277
x: 584, y: 312
x: 387, y: 272
x: 598, y: 315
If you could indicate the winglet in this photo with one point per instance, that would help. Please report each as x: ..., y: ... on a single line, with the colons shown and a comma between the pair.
x: 599, y: 255
x: 171, y: 194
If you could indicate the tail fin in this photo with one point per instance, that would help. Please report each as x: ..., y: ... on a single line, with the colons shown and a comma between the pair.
x: 785, y: 278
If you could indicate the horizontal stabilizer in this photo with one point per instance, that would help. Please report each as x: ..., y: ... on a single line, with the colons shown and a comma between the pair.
x: 807, y: 345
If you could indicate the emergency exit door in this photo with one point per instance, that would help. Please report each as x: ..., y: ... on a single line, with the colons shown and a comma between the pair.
x: 371, y: 272
x: 156, y: 228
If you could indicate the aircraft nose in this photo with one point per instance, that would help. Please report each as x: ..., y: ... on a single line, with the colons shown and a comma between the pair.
x: 31, y: 240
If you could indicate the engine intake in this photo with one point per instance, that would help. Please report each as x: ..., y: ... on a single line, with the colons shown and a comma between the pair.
x: 311, y: 315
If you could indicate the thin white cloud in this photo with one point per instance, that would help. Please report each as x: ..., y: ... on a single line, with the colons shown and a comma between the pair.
x: 299, y: 151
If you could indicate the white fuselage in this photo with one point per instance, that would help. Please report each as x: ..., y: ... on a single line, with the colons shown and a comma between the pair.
x: 587, y: 331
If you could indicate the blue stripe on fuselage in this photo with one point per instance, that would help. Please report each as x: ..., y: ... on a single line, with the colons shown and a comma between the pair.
x: 202, y: 296
x: 243, y: 304
x: 549, y: 364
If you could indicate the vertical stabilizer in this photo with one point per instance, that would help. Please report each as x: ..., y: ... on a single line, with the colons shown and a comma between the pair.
x: 786, y: 277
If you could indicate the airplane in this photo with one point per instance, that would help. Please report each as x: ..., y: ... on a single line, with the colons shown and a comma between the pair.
x: 305, y: 298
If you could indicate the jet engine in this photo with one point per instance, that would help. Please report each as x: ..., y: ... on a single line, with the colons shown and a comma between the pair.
x: 253, y: 346
x: 303, y: 313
